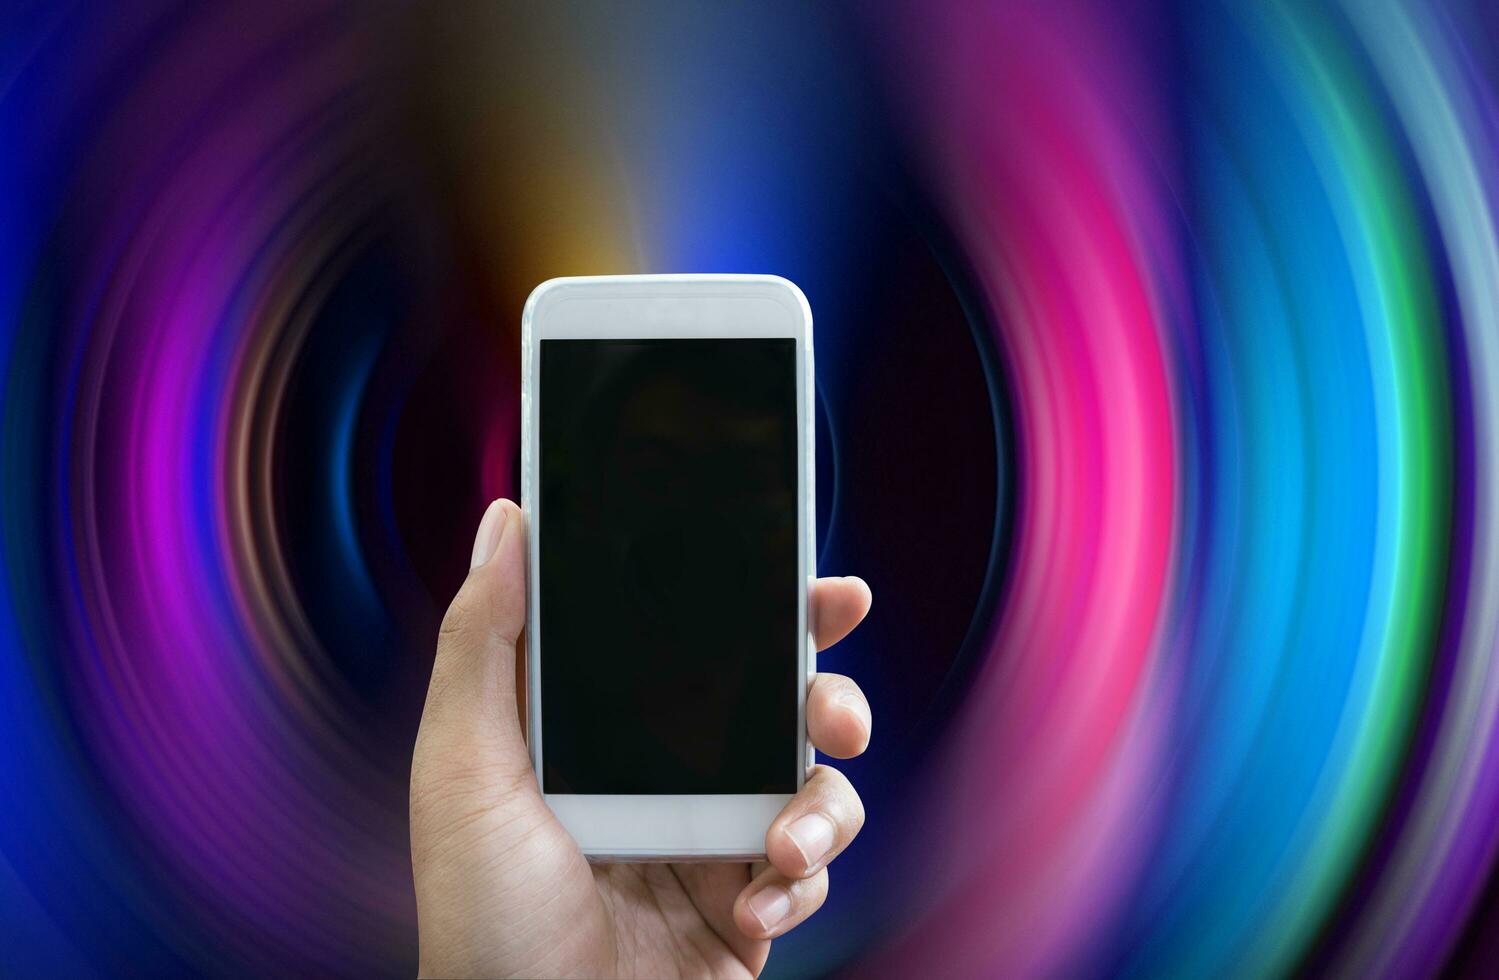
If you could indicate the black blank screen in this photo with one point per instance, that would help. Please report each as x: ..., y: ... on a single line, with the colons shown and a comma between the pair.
x: 668, y: 566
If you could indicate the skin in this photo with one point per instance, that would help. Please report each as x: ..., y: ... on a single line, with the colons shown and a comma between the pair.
x: 502, y: 889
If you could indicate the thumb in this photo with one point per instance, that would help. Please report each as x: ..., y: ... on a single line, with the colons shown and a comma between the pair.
x: 471, y: 703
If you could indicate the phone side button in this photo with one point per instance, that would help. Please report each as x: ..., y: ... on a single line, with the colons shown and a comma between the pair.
x: 811, y: 755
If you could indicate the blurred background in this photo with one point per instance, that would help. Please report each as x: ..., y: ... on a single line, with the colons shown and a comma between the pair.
x: 1158, y: 372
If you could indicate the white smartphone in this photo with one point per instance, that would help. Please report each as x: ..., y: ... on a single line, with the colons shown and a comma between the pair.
x: 667, y: 464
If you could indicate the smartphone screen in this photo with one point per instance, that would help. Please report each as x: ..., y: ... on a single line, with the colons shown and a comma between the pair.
x: 669, y: 585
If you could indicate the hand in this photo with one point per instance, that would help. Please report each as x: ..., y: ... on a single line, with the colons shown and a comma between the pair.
x: 502, y: 890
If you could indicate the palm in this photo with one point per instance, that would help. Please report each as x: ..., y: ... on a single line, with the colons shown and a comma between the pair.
x: 663, y: 915
x: 564, y: 916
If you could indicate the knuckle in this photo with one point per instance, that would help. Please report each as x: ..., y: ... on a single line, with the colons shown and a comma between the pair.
x: 811, y: 893
x: 855, y: 813
x: 493, y: 607
x: 459, y: 618
x: 837, y: 797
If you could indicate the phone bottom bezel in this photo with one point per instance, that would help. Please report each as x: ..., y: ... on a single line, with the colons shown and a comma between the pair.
x: 720, y: 827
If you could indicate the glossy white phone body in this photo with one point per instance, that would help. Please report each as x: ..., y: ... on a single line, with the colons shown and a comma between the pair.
x: 665, y: 827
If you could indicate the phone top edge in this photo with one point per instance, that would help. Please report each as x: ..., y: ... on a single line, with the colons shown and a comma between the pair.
x: 624, y: 287
x: 667, y: 277
x: 663, y: 307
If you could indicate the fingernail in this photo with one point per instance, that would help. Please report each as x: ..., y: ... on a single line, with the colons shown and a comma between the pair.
x: 488, y: 538
x: 813, y: 836
x: 770, y: 905
x: 859, y: 707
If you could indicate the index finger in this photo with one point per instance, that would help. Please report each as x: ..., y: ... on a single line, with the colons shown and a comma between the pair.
x: 838, y: 605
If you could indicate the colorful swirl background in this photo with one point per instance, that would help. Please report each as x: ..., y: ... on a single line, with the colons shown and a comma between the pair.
x: 1158, y: 370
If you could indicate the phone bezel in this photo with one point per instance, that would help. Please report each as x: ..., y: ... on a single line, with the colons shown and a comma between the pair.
x: 667, y: 827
